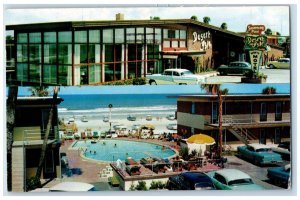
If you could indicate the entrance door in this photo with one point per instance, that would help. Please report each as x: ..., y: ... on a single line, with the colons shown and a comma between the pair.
x: 49, y: 168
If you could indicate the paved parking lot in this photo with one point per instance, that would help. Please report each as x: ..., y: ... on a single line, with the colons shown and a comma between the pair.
x: 259, y: 174
x: 274, y: 76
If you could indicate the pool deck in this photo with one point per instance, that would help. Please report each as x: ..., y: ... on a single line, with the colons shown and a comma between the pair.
x: 91, y: 169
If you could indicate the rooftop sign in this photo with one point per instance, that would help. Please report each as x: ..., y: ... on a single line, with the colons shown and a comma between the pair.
x: 255, y: 29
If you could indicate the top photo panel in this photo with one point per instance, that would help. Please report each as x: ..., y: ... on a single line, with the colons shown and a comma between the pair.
x: 147, y: 45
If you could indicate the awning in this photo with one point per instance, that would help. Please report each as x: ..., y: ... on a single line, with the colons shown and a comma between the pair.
x: 173, y: 54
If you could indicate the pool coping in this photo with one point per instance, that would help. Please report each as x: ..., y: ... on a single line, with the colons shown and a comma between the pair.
x: 71, y: 148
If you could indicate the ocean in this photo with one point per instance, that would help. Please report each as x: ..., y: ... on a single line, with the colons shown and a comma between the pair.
x: 96, y: 105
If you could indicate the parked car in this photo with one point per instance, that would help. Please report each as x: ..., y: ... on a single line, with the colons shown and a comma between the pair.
x: 72, y: 187
x: 283, y: 149
x: 235, y: 68
x: 280, y: 175
x: 190, y: 181
x: 149, y: 118
x: 172, y: 126
x: 171, y: 117
x: 84, y: 119
x: 233, y: 179
x: 131, y: 118
x: 105, y: 119
x: 259, y: 154
x: 175, y: 76
x: 280, y: 63
x: 136, y: 127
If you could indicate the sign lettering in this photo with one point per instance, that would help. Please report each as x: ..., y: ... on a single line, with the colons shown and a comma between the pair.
x: 255, y: 57
x: 255, y: 29
x: 203, y: 38
x: 255, y: 42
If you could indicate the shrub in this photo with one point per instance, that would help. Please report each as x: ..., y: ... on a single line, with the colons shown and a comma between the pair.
x: 33, y: 183
x: 141, y: 186
x: 184, y: 153
x: 155, y: 185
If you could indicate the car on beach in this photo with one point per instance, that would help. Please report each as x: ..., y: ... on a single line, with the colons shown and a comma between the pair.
x: 136, y: 126
x: 105, y: 119
x: 280, y: 63
x: 233, y: 179
x: 280, y: 175
x: 236, y: 67
x: 171, y: 117
x: 283, y: 148
x: 131, y: 118
x: 175, y: 76
x: 149, y: 118
x: 84, y: 119
x: 172, y: 126
x: 190, y: 181
x: 259, y: 154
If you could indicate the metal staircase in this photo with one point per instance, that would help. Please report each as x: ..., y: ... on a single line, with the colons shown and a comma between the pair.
x: 242, y: 134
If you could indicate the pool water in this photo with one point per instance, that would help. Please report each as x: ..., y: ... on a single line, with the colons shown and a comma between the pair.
x: 112, y: 150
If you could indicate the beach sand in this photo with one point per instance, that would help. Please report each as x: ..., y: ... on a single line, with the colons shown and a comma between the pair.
x: 160, y: 124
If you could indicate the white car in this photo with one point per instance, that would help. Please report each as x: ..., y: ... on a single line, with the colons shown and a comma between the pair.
x: 175, y: 76
x: 172, y: 126
x: 72, y: 187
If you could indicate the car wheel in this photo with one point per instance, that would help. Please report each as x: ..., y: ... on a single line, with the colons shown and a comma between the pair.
x: 271, y: 66
x: 152, y: 82
x: 256, y: 162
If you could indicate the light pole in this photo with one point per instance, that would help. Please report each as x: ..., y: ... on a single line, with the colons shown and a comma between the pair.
x: 110, y: 107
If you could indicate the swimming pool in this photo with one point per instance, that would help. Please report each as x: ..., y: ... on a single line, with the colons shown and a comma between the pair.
x: 112, y: 150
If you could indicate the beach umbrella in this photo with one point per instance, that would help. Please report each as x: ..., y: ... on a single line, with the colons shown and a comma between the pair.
x: 148, y: 126
x: 201, y: 139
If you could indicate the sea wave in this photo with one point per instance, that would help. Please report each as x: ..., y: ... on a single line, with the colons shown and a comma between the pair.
x: 161, y: 110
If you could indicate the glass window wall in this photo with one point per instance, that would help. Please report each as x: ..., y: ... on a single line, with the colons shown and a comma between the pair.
x: 119, y: 35
x: 65, y: 74
x: 22, y: 38
x: 65, y: 37
x: 80, y: 37
x: 130, y: 35
x: 49, y: 73
x: 94, y: 73
x: 94, y: 36
x: 108, y: 36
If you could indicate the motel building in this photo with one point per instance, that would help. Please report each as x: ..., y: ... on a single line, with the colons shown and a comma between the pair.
x: 93, y: 52
x: 31, y: 119
x: 246, y: 118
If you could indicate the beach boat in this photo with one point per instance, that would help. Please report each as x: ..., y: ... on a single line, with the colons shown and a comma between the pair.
x: 131, y: 118
x: 84, y: 119
x: 71, y: 119
x: 148, y: 117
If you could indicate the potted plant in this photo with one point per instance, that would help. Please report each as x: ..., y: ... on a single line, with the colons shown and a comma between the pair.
x: 251, y: 77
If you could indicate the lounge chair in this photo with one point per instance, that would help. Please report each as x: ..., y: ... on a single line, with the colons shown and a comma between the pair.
x: 95, y: 135
x: 83, y: 135
x: 132, y: 167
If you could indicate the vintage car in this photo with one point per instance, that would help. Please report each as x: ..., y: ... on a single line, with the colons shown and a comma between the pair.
x: 172, y: 126
x: 190, y: 181
x: 171, y: 117
x: 259, y: 154
x: 175, y: 76
x: 280, y: 175
x: 283, y: 149
x: 233, y: 179
x: 235, y: 68
x: 280, y: 63
x: 72, y: 187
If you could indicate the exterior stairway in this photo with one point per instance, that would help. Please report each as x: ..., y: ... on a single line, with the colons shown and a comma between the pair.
x: 242, y: 134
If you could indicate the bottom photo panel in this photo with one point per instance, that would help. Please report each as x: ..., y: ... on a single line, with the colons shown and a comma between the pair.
x: 148, y: 138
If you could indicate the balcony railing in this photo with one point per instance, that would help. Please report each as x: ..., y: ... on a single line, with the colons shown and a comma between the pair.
x: 254, y: 119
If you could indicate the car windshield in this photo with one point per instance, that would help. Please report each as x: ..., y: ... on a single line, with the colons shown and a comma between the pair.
x: 263, y: 150
x: 241, y: 181
x: 186, y: 73
x: 204, y: 186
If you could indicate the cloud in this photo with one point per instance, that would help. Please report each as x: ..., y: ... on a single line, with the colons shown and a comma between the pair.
x: 236, y: 17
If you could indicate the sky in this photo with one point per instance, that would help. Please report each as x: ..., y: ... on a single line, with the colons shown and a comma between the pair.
x: 237, y: 17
